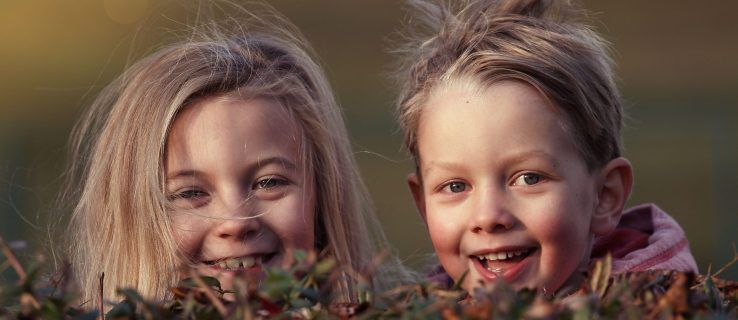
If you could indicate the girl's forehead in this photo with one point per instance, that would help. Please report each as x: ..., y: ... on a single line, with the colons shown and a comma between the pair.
x: 237, y: 109
x: 243, y: 128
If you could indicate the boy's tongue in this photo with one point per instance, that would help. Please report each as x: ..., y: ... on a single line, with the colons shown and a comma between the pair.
x: 500, y: 264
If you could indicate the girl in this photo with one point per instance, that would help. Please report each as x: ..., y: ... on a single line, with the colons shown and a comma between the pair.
x: 226, y: 151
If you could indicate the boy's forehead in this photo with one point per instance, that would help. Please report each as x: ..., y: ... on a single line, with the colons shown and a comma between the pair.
x: 467, y: 90
x: 509, y: 119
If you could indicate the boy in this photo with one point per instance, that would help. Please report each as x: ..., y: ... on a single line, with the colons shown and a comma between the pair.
x: 514, y: 120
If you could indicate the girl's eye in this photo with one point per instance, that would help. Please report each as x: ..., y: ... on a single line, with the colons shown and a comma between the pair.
x: 456, y: 186
x: 527, y: 179
x: 188, y: 194
x: 270, y: 183
x: 189, y: 198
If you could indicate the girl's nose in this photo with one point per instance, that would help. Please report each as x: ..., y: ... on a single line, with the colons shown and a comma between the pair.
x: 238, y: 228
x: 491, y: 214
x: 238, y: 222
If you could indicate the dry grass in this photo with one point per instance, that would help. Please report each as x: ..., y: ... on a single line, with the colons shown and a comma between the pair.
x: 301, y: 292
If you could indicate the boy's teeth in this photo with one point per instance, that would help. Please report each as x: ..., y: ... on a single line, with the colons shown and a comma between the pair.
x: 503, y: 255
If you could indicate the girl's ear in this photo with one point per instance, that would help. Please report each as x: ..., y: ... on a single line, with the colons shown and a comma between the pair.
x: 615, y: 184
x: 416, y: 188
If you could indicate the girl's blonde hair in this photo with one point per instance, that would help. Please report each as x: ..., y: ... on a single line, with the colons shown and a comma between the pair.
x: 539, y: 42
x: 120, y: 225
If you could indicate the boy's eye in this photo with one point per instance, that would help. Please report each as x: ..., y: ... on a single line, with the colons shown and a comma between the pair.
x: 269, y: 183
x: 527, y: 179
x: 456, y: 186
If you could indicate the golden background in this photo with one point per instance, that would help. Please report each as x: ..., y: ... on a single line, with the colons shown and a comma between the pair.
x: 677, y: 64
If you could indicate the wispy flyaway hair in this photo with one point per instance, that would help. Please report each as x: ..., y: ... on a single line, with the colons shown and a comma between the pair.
x: 545, y: 43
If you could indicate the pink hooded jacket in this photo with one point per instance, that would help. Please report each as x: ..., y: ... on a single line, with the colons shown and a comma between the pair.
x: 646, y: 238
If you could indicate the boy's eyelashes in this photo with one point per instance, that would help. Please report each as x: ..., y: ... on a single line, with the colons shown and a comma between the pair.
x: 521, y: 180
x: 527, y: 179
x: 455, y: 186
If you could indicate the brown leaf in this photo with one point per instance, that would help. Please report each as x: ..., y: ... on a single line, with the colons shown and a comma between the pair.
x: 675, y: 298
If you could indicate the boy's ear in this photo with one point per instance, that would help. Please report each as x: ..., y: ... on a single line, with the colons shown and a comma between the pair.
x: 416, y: 188
x: 615, y: 184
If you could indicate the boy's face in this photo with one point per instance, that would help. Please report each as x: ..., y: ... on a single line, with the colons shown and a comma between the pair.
x: 503, y: 191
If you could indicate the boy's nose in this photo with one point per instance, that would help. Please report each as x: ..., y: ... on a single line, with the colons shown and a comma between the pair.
x: 491, y: 214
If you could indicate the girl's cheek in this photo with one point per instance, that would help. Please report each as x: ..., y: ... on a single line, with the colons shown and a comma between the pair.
x: 188, y: 235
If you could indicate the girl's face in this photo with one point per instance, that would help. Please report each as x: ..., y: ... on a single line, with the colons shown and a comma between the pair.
x: 240, y: 195
x: 504, y: 192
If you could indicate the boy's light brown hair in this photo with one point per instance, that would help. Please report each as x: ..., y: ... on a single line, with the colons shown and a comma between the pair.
x: 542, y: 43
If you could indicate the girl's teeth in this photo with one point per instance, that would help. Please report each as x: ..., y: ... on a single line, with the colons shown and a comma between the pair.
x: 248, y: 262
x: 236, y: 263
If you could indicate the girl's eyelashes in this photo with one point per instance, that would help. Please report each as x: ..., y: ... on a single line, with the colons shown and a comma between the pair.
x: 196, y: 197
x: 270, y: 182
x: 192, y: 193
x: 528, y: 179
x: 188, y: 198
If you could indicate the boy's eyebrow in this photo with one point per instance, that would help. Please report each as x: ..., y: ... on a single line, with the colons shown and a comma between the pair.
x: 451, y: 166
x: 520, y: 157
x: 260, y: 163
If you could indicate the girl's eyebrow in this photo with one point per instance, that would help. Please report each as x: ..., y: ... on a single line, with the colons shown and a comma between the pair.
x: 260, y: 163
x: 285, y: 162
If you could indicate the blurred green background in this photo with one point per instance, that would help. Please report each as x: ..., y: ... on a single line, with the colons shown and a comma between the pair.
x: 677, y: 64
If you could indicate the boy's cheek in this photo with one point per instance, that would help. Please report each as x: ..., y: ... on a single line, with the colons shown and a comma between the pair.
x: 445, y: 235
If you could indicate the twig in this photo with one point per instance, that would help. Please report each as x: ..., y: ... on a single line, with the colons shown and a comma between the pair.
x: 710, y: 275
x: 100, y: 296
x: 730, y: 263
x: 12, y: 259
x: 209, y: 293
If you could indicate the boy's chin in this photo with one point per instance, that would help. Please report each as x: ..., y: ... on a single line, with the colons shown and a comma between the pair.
x: 548, y: 288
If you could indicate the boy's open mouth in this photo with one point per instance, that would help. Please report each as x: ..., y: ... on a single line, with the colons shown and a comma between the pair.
x: 240, y: 263
x: 498, y: 262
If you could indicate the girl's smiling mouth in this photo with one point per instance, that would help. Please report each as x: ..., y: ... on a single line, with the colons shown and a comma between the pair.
x: 507, y: 263
x: 241, y: 263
